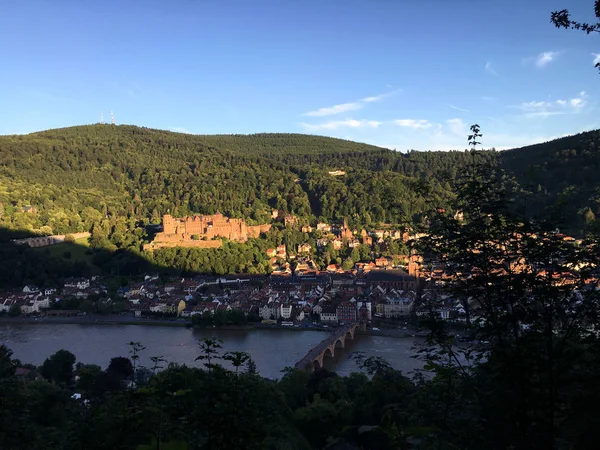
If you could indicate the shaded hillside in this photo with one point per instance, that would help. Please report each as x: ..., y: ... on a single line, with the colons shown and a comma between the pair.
x: 564, y: 173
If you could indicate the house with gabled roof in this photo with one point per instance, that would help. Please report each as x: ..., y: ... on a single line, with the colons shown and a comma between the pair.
x: 30, y: 288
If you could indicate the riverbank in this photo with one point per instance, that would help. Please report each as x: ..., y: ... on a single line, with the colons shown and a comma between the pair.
x: 95, y: 320
x: 395, y: 333
x: 115, y: 319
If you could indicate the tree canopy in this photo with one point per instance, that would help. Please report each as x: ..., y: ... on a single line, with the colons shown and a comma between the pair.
x: 74, y: 179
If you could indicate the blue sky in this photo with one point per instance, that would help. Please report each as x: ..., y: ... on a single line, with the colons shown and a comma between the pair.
x: 402, y: 74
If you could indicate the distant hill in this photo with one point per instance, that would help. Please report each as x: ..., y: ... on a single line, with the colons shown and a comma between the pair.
x: 75, y: 176
x: 564, y: 173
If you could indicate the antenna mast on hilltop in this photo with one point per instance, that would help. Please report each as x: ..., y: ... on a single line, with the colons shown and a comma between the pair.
x: 112, y: 118
x: 102, y: 118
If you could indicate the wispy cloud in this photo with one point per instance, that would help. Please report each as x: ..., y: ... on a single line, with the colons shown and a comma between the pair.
x: 544, y: 58
x: 457, y: 108
x: 376, y: 98
x: 489, y: 67
x: 350, y: 106
x: 457, y: 126
x: 545, y: 109
x: 335, y: 109
x: 596, y: 58
x: 180, y: 130
x: 420, y: 124
x: 347, y: 123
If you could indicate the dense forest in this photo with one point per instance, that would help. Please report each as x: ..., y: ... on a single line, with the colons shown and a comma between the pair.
x: 223, y: 404
x: 560, y: 174
x: 524, y: 376
x: 73, y: 178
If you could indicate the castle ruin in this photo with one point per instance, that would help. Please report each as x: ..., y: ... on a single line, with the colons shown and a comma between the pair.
x: 201, y: 231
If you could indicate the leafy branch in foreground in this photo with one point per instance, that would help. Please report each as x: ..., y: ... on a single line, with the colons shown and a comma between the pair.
x: 562, y: 19
x: 531, y: 304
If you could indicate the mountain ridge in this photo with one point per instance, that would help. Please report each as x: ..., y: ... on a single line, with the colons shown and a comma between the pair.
x: 143, y: 173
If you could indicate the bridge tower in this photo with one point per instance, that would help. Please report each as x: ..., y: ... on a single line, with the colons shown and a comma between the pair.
x: 362, y: 326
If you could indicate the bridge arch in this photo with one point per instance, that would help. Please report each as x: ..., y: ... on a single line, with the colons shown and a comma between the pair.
x: 329, y: 352
x: 313, y: 360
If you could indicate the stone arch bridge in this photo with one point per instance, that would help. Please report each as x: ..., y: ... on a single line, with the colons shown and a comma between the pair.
x: 313, y: 360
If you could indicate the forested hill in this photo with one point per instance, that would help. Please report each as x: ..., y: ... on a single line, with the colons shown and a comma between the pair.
x: 74, y: 176
x: 564, y: 172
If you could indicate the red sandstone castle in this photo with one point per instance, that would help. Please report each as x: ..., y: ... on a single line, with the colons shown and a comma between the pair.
x: 197, y: 230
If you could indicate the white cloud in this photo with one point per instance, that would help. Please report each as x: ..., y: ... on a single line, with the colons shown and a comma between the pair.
x: 577, y: 103
x: 180, y: 130
x: 596, y: 58
x: 347, y: 123
x: 335, y: 109
x: 545, y: 109
x: 544, y: 58
x: 490, y: 68
x: 537, y: 105
x: 350, y: 106
x: 457, y: 108
x: 420, y: 124
x: 376, y: 98
x: 457, y: 126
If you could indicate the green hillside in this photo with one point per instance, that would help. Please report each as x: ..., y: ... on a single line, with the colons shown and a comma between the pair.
x: 75, y: 176
x: 126, y: 170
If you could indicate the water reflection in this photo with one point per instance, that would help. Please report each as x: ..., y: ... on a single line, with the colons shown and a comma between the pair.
x: 272, y: 350
x: 398, y: 352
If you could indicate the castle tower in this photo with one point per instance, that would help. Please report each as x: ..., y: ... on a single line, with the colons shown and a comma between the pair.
x: 168, y: 224
x: 414, y: 265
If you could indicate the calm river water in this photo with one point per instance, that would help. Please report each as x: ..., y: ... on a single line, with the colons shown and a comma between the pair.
x: 272, y: 350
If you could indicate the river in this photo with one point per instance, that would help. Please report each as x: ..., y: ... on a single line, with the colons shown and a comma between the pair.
x: 272, y: 350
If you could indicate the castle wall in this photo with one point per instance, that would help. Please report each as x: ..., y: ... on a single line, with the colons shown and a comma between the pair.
x: 255, y: 230
x: 180, y: 230
x: 187, y: 243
